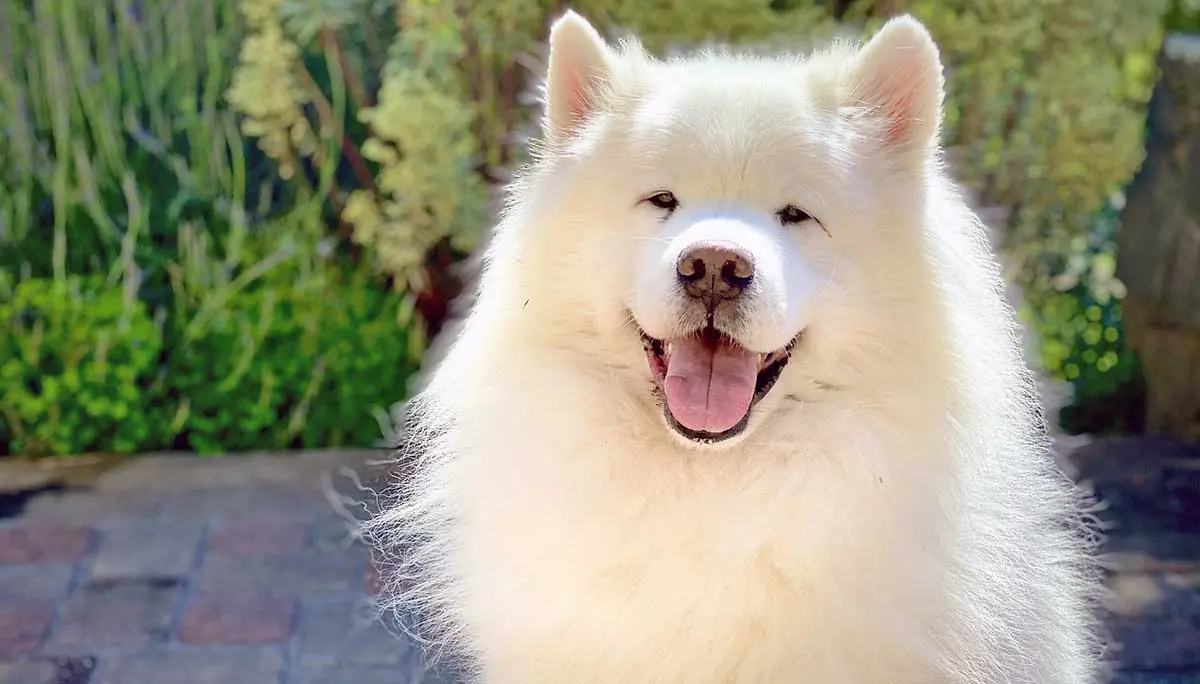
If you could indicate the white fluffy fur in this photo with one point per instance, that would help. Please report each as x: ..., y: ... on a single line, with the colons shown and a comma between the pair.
x: 892, y: 514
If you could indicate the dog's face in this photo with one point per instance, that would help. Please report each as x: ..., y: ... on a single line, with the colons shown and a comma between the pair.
x: 737, y: 208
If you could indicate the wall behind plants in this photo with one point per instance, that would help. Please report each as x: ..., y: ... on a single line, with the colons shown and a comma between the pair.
x: 229, y: 224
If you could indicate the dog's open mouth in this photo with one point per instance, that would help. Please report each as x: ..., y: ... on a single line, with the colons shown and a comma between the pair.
x: 710, y: 381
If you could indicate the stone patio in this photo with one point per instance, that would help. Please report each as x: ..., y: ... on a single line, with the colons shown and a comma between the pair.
x: 182, y: 570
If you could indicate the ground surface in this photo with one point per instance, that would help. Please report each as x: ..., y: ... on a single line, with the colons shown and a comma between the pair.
x: 178, y: 570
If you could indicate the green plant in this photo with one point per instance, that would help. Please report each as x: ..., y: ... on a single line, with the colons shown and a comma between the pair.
x: 1047, y: 105
x: 344, y: 72
x: 115, y: 134
x: 1078, y: 321
x: 308, y: 356
x: 1184, y: 16
x: 77, y: 361
x: 124, y: 178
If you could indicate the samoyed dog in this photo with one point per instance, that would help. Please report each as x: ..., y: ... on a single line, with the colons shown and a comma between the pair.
x: 738, y: 399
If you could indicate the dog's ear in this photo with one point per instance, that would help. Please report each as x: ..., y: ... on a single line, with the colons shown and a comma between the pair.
x: 581, y: 65
x: 897, y: 79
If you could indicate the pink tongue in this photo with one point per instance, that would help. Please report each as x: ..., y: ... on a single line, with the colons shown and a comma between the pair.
x: 709, y: 390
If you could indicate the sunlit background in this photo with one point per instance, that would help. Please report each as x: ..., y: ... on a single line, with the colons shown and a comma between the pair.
x: 232, y: 226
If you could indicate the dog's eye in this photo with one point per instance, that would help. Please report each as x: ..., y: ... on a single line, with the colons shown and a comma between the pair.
x: 791, y: 215
x: 663, y: 200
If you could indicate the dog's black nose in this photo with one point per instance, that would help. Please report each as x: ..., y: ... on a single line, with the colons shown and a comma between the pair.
x: 713, y: 272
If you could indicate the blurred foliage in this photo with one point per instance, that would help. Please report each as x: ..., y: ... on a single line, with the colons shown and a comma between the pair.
x: 1184, y: 16
x: 76, y: 359
x: 427, y: 188
x: 1083, y: 341
x: 412, y: 177
x: 310, y: 356
x: 278, y: 185
x: 114, y: 133
x: 160, y: 287
x: 1045, y: 111
x: 1047, y: 107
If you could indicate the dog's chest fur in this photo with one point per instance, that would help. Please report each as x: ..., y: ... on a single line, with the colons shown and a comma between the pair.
x: 588, y: 558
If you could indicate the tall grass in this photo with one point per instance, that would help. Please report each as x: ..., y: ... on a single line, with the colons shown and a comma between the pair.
x: 114, y: 131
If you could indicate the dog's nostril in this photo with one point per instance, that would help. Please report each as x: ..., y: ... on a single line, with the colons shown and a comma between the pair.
x: 736, y: 272
x: 691, y: 269
x: 699, y: 265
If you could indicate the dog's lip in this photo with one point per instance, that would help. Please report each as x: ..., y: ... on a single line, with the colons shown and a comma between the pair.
x: 771, y: 366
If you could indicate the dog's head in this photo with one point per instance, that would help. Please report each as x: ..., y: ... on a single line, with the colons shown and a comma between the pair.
x: 748, y: 223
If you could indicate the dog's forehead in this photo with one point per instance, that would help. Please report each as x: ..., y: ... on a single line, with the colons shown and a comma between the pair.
x: 752, y: 120
x: 737, y: 103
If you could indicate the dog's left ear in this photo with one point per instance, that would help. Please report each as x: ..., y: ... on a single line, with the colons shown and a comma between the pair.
x: 581, y: 66
x: 897, y: 77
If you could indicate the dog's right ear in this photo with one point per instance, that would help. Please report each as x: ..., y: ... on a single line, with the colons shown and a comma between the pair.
x: 581, y: 65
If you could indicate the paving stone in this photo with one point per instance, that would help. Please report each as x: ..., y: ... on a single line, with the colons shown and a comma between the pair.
x: 1165, y: 643
x: 193, y: 665
x: 259, y: 536
x: 345, y: 631
x: 1164, y: 633
x: 176, y: 473
x: 43, y: 581
x: 77, y: 670
x: 283, y: 575
x: 334, y: 532
x: 61, y: 670
x: 241, y: 502
x: 23, y: 627
x: 41, y: 672
x: 230, y: 621
x: 146, y: 549
x: 1166, y: 547
x: 43, y: 543
x: 413, y: 674
x: 184, y: 472
x: 372, y: 580
x: 127, y: 615
x: 88, y: 507
x: 1156, y: 678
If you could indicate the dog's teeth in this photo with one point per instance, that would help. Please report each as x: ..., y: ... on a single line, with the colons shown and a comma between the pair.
x: 669, y: 345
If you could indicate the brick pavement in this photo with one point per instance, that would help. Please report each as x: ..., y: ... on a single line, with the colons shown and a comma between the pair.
x: 180, y: 570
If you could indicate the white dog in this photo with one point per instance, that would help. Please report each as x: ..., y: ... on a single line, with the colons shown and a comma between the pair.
x: 739, y: 400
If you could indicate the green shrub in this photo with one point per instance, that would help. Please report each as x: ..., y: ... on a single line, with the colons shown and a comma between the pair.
x: 401, y: 174
x: 121, y: 161
x: 1078, y: 321
x: 1184, y: 16
x: 77, y: 360
x: 290, y: 360
x: 295, y: 360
